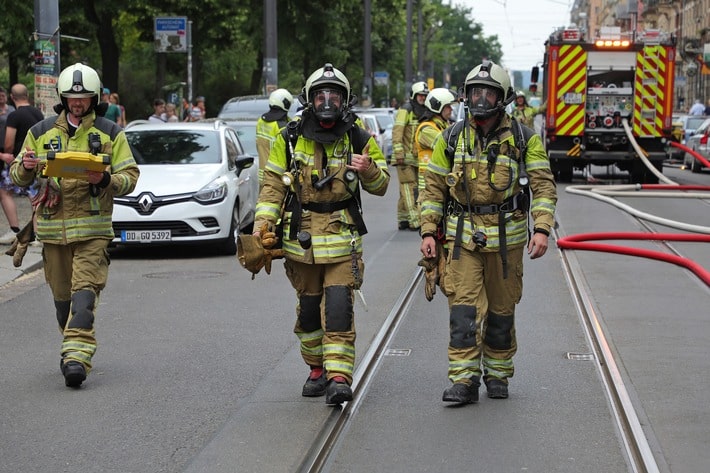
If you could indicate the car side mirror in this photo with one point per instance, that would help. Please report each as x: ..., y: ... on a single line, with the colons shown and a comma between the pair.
x: 243, y: 162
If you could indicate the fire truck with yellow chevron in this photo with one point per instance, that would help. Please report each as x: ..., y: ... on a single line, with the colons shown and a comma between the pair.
x: 608, y: 100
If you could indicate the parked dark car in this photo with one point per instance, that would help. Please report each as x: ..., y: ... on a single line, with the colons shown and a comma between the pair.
x: 251, y: 107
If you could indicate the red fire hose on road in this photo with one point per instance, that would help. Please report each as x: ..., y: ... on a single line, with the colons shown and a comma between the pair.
x: 580, y: 242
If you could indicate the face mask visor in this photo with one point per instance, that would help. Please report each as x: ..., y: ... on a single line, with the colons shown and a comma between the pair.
x: 483, y: 100
x: 327, y: 104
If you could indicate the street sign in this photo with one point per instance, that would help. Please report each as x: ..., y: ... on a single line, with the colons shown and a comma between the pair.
x: 171, y: 34
x: 382, y: 77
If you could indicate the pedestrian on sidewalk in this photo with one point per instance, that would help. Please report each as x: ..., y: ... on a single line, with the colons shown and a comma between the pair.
x: 7, y: 200
x: 18, y: 123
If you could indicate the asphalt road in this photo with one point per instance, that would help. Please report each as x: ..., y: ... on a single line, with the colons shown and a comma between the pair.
x: 198, y: 369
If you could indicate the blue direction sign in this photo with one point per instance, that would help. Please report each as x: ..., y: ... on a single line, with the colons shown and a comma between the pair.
x: 381, y: 77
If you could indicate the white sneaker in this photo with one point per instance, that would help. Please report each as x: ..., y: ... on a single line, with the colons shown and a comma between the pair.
x: 7, y: 238
x: 36, y: 243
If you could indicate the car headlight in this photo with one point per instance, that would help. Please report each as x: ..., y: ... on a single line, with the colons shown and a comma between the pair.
x: 214, y: 192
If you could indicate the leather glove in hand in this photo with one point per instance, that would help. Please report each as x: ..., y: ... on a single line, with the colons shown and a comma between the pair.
x: 48, y: 194
x: 268, y: 238
x: 18, y: 249
x: 250, y: 253
x: 431, y: 275
x: 268, y: 241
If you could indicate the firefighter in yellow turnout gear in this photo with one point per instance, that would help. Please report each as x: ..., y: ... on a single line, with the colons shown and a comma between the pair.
x: 269, y: 124
x: 438, y: 103
x: 311, y: 185
x: 74, y: 215
x: 404, y: 151
x: 478, y: 187
x: 523, y: 112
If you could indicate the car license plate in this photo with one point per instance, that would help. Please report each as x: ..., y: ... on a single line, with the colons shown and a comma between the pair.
x: 145, y: 236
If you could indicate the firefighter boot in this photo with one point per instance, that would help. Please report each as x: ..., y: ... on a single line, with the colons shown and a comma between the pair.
x: 315, y: 384
x: 462, y: 393
x: 497, y: 388
x: 74, y: 373
x: 338, y: 391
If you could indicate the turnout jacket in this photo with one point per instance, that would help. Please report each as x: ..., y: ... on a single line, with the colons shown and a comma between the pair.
x: 471, y: 163
x: 405, y: 124
x: 77, y: 216
x: 266, y: 132
x: 424, y: 138
x: 333, y: 232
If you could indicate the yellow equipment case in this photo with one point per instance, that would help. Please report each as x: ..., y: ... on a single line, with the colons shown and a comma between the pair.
x: 74, y: 164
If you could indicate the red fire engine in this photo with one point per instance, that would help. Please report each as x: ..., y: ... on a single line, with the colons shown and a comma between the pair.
x: 592, y: 88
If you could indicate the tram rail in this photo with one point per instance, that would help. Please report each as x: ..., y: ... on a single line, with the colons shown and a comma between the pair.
x: 636, y: 447
x: 326, y: 444
x: 634, y: 441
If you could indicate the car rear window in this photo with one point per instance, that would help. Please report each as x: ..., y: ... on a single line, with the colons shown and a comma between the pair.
x: 695, y: 122
x: 244, y: 109
x: 174, y: 147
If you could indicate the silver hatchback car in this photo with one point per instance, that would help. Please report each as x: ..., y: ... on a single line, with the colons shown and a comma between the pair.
x: 698, y: 142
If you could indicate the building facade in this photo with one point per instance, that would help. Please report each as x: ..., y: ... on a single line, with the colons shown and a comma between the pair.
x: 687, y: 20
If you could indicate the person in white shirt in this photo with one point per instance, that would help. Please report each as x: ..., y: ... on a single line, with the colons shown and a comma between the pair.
x: 158, y: 111
x: 698, y: 108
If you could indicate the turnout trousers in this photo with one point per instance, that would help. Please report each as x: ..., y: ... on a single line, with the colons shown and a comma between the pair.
x: 407, y: 209
x: 325, y: 323
x: 482, y: 313
x: 76, y: 274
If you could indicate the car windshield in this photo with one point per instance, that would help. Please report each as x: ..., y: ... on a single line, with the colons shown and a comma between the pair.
x: 174, y: 147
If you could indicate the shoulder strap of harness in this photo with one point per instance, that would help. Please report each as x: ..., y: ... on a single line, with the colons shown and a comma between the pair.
x: 521, y: 136
x: 359, y: 138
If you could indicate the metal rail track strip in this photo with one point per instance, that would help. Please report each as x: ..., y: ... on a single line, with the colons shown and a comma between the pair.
x: 327, y: 443
x: 638, y: 452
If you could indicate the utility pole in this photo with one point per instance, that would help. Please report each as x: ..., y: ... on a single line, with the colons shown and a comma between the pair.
x: 420, y: 42
x: 408, y: 50
x: 46, y: 50
x: 367, y: 46
x: 271, y: 62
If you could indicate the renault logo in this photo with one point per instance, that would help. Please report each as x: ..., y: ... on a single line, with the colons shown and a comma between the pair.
x: 145, y: 202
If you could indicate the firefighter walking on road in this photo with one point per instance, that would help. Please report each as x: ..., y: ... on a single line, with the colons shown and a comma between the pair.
x: 487, y: 172
x: 404, y: 151
x: 312, y: 186
x: 74, y: 215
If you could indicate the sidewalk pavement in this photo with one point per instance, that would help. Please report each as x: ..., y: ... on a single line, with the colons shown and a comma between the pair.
x: 32, y: 260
